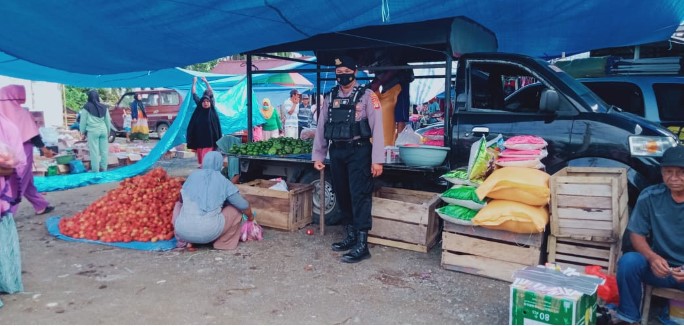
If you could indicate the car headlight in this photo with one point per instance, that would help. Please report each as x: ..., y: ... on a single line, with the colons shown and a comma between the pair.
x: 650, y: 145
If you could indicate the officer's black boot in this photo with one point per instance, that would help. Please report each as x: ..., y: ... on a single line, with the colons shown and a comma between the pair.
x: 360, y: 251
x: 348, y: 242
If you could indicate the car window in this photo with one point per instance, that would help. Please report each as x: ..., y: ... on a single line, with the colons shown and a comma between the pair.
x: 670, y: 99
x: 625, y: 95
x: 170, y: 98
x: 151, y: 99
x: 126, y: 100
x: 504, y: 87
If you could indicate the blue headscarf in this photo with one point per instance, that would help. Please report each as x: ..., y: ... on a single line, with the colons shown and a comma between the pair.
x: 207, y: 187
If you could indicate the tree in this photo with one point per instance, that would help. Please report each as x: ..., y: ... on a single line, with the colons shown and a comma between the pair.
x: 75, y: 97
x: 204, y: 66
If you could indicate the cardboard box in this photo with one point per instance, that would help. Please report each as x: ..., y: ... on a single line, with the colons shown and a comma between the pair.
x: 185, y: 154
x: 404, y: 219
x: 287, y: 210
x: 563, y: 300
x: 112, y: 160
x: 63, y: 168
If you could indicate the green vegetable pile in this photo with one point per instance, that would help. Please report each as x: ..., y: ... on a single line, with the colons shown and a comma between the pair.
x: 273, y: 146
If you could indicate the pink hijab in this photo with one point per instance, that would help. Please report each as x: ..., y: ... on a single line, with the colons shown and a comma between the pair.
x: 12, y: 140
x: 11, y: 99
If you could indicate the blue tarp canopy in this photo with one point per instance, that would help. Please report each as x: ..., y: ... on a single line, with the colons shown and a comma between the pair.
x: 112, y: 37
x: 169, y: 77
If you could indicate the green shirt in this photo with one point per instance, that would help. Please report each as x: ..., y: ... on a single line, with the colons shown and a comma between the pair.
x: 657, y: 215
x: 273, y: 123
x: 93, y: 124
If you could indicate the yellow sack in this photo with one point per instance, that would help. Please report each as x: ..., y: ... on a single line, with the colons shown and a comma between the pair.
x: 524, y: 185
x: 500, y: 214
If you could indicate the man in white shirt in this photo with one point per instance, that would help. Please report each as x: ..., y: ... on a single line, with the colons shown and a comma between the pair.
x: 290, y: 112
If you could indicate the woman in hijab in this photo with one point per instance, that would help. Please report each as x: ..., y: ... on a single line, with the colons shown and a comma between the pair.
x: 95, y: 124
x: 12, y: 159
x: 273, y: 126
x: 11, y: 99
x: 204, y: 128
x: 211, y: 207
x: 139, y: 129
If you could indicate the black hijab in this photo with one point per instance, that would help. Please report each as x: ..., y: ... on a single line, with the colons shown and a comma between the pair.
x: 214, y: 127
x: 93, y: 106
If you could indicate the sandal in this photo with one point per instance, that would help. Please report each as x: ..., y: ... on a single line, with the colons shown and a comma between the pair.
x: 46, y: 210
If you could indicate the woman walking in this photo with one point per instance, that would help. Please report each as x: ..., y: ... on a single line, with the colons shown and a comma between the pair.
x: 12, y: 159
x: 11, y: 99
x: 95, y: 125
x: 139, y: 128
x: 204, y: 128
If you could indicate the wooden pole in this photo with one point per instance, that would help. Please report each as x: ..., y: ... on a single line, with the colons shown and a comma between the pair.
x: 321, y: 211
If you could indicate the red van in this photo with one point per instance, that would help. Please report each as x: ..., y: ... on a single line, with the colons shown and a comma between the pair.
x: 161, y: 105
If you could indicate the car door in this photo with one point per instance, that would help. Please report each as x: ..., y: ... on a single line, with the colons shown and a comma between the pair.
x: 486, y: 112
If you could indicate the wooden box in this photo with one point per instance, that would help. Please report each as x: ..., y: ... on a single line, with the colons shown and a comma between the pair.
x: 490, y: 253
x: 287, y: 210
x: 404, y: 219
x: 589, y: 203
x: 574, y: 253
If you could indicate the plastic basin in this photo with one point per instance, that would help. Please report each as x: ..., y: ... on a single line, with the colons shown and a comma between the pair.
x: 423, y: 155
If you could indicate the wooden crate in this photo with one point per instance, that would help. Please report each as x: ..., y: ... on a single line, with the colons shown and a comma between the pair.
x: 287, y: 210
x: 404, y: 219
x: 589, y: 203
x: 574, y: 253
x: 490, y: 253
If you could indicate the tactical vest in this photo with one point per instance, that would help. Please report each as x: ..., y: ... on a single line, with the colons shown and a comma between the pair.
x: 342, y: 124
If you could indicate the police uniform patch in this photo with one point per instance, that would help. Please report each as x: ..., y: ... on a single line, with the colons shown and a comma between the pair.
x: 336, y: 103
x: 376, y: 101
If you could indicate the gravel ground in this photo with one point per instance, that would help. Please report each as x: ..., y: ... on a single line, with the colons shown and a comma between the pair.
x: 288, y: 278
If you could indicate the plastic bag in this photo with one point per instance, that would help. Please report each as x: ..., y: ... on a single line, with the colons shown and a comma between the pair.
x: 483, y: 164
x: 49, y: 135
x: 307, y: 133
x: 407, y: 136
x: 280, y: 185
x: 496, y: 144
x: 76, y: 166
x: 525, y: 142
x: 251, y: 231
x: 8, y: 158
x: 608, y: 291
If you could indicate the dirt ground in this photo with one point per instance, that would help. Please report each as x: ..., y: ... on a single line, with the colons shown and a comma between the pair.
x: 288, y: 278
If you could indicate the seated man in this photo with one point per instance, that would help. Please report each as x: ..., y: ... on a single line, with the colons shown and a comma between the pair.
x: 659, y: 215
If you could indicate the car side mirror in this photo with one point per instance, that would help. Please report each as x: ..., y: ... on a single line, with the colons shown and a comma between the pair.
x: 549, y: 101
x: 461, y: 100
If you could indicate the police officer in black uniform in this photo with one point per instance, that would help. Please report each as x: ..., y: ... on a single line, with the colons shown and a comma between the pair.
x: 349, y: 117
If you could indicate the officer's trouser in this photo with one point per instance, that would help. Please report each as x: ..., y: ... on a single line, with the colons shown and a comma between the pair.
x: 352, y: 181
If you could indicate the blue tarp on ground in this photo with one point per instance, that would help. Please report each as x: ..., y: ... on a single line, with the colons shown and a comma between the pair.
x: 52, y: 226
x: 109, y: 37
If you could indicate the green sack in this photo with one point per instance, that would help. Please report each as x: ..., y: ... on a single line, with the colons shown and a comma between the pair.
x: 457, y: 212
x: 458, y: 177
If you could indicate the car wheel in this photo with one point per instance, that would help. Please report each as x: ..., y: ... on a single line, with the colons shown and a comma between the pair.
x: 332, y: 211
x: 162, y: 128
x: 112, y: 136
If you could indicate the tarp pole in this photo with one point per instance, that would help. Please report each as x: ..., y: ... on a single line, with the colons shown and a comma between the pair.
x: 447, y: 99
x: 249, y: 98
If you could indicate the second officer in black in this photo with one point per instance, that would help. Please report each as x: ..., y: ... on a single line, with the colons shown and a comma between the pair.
x: 349, y: 117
